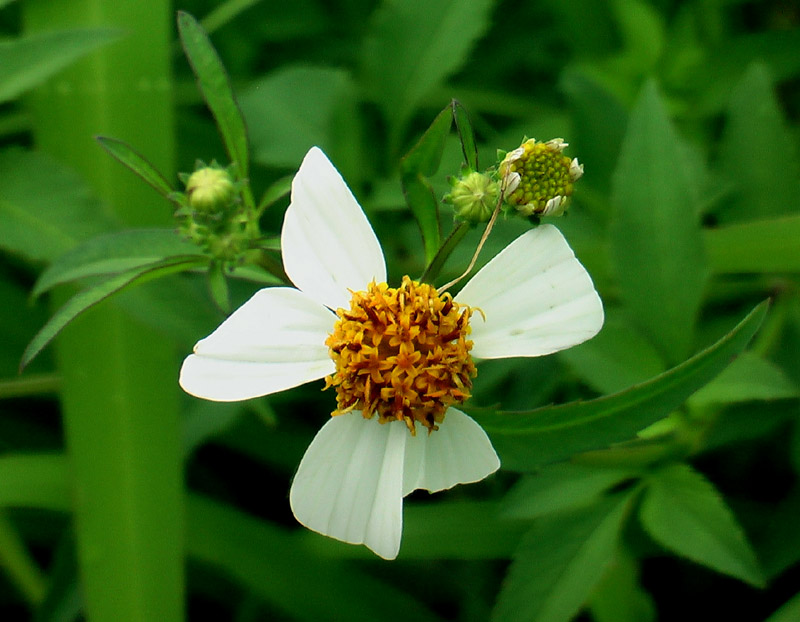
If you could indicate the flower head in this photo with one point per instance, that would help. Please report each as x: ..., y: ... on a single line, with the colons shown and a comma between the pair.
x: 537, y: 178
x: 400, y: 359
x: 210, y: 189
x: 474, y: 196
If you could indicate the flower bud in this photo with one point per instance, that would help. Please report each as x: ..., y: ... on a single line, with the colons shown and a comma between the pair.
x: 537, y: 178
x: 210, y: 189
x: 474, y: 196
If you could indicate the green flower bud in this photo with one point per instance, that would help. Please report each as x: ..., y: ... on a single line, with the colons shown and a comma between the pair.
x: 537, y: 178
x: 210, y: 189
x: 474, y: 196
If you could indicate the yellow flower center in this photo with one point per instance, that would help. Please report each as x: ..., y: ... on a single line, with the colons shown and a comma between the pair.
x: 401, y: 353
x: 544, y: 174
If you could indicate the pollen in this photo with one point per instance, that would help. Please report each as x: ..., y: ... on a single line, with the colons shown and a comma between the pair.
x: 401, y: 354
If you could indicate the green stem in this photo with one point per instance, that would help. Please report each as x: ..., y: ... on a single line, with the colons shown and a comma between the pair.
x: 120, y: 398
x: 31, y: 384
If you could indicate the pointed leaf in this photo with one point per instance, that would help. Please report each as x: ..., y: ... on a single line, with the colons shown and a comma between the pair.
x: 526, y: 440
x: 89, y: 297
x: 655, y: 232
x: 115, y: 252
x: 465, y: 133
x: 123, y: 152
x: 29, y: 61
x: 559, y: 562
x: 685, y: 513
x: 216, y: 88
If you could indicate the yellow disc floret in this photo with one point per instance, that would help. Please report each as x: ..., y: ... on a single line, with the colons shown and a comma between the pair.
x: 401, y: 353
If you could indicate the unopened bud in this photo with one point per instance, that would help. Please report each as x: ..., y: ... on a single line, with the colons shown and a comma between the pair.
x: 210, y: 189
x: 474, y: 197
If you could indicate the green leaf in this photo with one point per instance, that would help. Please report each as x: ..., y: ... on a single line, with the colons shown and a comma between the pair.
x: 526, y: 440
x: 411, y: 47
x: 754, y: 247
x: 35, y: 481
x: 123, y: 152
x: 284, y: 121
x: 656, y: 241
x: 115, y: 252
x: 757, y: 152
x: 218, y: 287
x: 749, y: 377
x: 29, y: 61
x: 216, y: 88
x: 789, y: 612
x: 465, y: 134
x: 562, y: 486
x: 277, y: 190
x: 683, y: 512
x: 45, y: 209
x: 18, y: 564
x: 89, y: 297
x: 266, y: 560
x: 619, y: 597
x: 421, y: 162
x: 559, y: 561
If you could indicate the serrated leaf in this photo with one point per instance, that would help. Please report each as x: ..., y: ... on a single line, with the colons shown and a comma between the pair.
x: 418, y: 164
x: 115, y: 252
x: 771, y: 245
x: 559, y: 561
x: 89, y: 297
x: 757, y: 152
x: 45, y: 208
x: 137, y: 163
x: 29, y: 61
x: 683, y: 512
x: 657, y: 244
x: 561, y: 486
x: 465, y: 134
x: 526, y: 440
x: 412, y: 46
x: 216, y: 88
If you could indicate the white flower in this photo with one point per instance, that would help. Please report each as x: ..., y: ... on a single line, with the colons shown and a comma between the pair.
x: 533, y: 298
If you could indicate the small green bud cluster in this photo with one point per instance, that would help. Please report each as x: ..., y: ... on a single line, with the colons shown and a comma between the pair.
x: 473, y: 196
x: 537, y: 178
x: 211, y: 212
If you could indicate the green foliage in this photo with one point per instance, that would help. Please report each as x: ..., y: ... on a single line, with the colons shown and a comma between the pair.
x: 665, y: 447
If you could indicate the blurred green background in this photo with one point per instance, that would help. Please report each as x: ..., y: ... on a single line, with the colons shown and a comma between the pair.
x: 123, y: 499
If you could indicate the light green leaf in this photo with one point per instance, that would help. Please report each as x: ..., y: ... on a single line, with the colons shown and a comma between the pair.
x: 619, y: 597
x: 266, y: 560
x: 757, y: 152
x: 35, y: 481
x: 216, y: 88
x: 559, y: 561
x: 616, y: 358
x: 115, y: 252
x: 89, y: 297
x: 655, y: 233
x: 45, y: 209
x: 683, y: 512
x: 526, y: 440
x: 29, y: 61
x: 418, y: 164
x: 285, y: 120
x: 749, y: 377
x: 137, y: 163
x: 561, y: 486
x: 753, y: 247
x: 411, y: 47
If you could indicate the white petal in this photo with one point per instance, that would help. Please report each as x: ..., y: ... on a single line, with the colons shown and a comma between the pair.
x: 459, y: 452
x: 327, y: 242
x: 536, y: 296
x: 349, y: 483
x: 274, y: 341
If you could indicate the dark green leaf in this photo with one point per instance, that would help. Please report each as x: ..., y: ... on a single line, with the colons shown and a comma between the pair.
x: 655, y: 233
x: 115, y: 252
x: 216, y: 88
x: 789, y: 612
x: 684, y: 512
x: 137, y: 163
x: 619, y: 597
x: 465, y: 134
x: 559, y: 561
x: 29, y: 61
x: 526, y: 440
x: 89, y: 297
x: 418, y: 164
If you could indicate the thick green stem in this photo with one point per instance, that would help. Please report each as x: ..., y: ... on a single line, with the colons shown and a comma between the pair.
x: 119, y: 390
